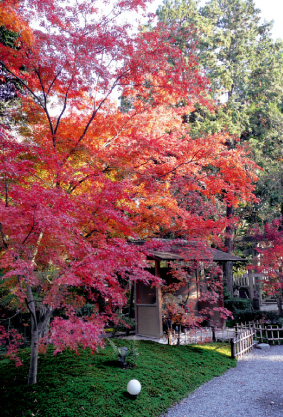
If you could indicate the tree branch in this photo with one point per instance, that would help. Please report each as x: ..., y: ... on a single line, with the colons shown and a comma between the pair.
x: 53, y: 81
x: 32, y: 228
x: 181, y: 164
x: 63, y: 110
x: 94, y: 113
x: 72, y: 187
x: 3, y: 237
x: 44, y: 106
x: 23, y: 84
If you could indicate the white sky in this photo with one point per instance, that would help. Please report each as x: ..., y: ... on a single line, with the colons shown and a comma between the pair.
x: 271, y: 10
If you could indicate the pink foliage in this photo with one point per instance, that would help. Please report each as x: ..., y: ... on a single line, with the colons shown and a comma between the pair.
x: 76, y: 186
x: 269, y: 261
x: 12, y: 341
x: 76, y: 332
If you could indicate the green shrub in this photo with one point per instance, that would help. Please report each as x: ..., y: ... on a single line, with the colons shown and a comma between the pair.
x: 125, y: 324
x: 243, y: 316
x: 235, y: 304
x: 126, y: 355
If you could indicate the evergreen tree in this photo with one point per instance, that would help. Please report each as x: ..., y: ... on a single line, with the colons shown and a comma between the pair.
x: 8, y: 84
x: 244, y: 65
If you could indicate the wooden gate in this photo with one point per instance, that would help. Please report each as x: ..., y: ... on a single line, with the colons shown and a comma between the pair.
x: 242, y: 343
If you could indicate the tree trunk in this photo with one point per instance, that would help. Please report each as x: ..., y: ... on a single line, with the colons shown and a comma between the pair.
x: 40, y: 317
x: 36, y: 323
x: 39, y: 324
x: 34, y: 337
x: 32, y: 376
x: 279, y: 304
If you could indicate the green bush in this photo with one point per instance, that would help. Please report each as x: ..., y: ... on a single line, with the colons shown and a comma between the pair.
x: 243, y: 316
x: 125, y: 324
x: 236, y: 304
x: 126, y: 355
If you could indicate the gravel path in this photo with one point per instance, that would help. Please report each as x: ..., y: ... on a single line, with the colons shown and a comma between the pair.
x: 253, y: 389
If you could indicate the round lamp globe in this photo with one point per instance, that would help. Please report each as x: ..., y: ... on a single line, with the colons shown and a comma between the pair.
x: 134, y: 387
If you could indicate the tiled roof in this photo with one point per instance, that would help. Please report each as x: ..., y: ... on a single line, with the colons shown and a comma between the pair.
x: 217, y: 255
x: 185, y: 250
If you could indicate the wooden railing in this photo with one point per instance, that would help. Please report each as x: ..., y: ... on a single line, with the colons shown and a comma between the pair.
x: 244, y: 279
x: 190, y: 336
x: 264, y: 333
x: 243, y: 342
x: 242, y: 338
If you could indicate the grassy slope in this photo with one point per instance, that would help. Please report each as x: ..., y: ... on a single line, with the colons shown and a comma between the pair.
x: 93, y: 385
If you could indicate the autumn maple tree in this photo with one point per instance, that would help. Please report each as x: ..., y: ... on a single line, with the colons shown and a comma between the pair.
x: 269, y: 260
x: 80, y: 175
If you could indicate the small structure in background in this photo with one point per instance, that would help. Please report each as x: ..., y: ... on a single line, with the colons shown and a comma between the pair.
x: 190, y: 257
x: 249, y: 286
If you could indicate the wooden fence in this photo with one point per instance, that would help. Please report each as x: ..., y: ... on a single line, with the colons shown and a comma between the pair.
x: 264, y: 333
x: 242, y: 343
x: 199, y: 335
x: 190, y: 336
x: 242, y: 338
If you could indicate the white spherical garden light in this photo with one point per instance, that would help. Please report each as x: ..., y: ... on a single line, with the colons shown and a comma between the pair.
x: 134, y: 387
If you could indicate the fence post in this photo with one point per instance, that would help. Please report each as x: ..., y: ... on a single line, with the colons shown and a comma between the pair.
x: 213, y: 335
x: 169, y: 337
x: 232, y: 343
x: 260, y: 331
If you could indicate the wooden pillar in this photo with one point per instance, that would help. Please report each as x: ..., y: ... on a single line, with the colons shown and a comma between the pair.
x: 228, y: 274
x: 159, y: 298
x: 251, y: 285
x: 157, y: 269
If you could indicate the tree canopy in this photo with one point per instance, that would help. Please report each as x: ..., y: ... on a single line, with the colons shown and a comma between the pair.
x: 236, y: 51
x: 83, y: 176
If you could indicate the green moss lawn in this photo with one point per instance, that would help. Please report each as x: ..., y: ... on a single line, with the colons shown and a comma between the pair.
x: 87, y: 385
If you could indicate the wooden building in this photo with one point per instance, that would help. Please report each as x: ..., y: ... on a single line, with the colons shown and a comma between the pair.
x: 148, y: 299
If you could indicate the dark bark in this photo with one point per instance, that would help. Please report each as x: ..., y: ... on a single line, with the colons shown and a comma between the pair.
x: 40, y: 317
x: 32, y: 376
x: 39, y: 324
x: 279, y: 304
